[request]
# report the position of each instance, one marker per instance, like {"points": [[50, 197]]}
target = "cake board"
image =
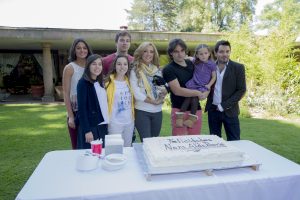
{"points": [[208, 170]]}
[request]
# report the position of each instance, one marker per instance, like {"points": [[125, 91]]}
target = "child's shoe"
{"points": [[190, 120], [179, 119]]}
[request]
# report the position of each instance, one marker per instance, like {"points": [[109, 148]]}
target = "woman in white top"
{"points": [[120, 100], [73, 71], [148, 97]]}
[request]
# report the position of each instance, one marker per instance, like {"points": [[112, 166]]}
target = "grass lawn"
{"points": [[28, 131]]}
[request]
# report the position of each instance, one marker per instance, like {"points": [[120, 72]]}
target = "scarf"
{"points": [[148, 71], [110, 89]]}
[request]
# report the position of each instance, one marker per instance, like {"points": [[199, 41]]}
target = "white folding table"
{"points": [[56, 177]]}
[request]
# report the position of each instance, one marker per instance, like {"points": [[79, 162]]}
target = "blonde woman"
{"points": [[148, 96]]}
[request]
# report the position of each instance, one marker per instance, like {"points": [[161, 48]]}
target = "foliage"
{"points": [[231, 14], [163, 60], [5, 70], [272, 71], [191, 15], [282, 18], [138, 15], [282, 14], [169, 10], [245, 47], [36, 80], [153, 15]]}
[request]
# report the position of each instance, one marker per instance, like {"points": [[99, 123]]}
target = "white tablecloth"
{"points": [[57, 178]]}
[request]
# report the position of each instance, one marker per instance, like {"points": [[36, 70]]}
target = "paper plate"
{"points": [[114, 162]]}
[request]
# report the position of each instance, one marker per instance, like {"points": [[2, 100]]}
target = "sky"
{"points": [[78, 14]]}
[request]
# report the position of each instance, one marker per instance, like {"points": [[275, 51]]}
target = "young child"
{"points": [[203, 78], [92, 104], [120, 100]]}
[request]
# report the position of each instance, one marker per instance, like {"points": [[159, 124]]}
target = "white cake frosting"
{"points": [[202, 151]]}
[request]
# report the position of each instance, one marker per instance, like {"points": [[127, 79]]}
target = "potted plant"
{"points": [[37, 86]]}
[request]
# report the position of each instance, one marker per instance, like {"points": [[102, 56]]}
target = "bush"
{"points": [[272, 72]]}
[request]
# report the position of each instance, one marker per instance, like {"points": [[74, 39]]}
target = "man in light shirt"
{"points": [[223, 101]]}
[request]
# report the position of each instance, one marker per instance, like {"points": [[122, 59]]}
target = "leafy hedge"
{"points": [[272, 70]]}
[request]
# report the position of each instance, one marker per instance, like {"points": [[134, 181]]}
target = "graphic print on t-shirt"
{"points": [[124, 100], [121, 112]]}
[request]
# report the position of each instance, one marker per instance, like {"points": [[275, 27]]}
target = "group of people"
{"points": [[120, 92]]}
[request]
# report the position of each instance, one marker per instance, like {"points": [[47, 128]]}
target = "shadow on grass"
{"points": [[281, 137], [28, 132]]}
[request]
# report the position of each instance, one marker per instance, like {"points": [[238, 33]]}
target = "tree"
{"points": [[282, 14], [193, 15], [272, 70], [282, 20], [231, 14], [153, 15], [139, 16], [169, 10]]}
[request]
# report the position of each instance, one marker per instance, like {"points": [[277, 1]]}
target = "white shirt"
{"points": [[78, 72], [121, 110], [217, 98], [140, 95], [102, 99]]}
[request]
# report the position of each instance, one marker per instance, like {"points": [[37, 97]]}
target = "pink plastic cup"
{"points": [[96, 147]]}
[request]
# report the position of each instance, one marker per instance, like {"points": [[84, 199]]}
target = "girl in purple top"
{"points": [[203, 78]]}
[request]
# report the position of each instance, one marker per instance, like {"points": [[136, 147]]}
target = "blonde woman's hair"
{"points": [[138, 54]]}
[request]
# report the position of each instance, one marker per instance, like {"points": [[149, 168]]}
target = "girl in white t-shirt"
{"points": [[120, 100]]}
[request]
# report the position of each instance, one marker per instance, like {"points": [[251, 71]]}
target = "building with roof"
{"points": [[43, 52]]}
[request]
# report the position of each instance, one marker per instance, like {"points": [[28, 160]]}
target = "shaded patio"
{"points": [[6, 98]]}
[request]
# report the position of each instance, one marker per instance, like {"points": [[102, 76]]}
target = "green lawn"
{"points": [[28, 131]]}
